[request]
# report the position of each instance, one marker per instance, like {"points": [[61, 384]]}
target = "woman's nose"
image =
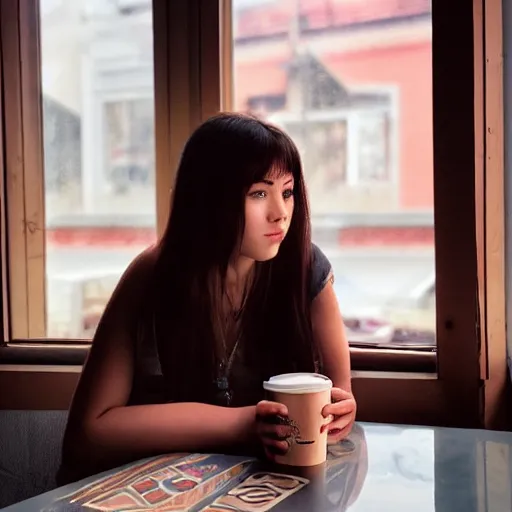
{"points": [[278, 212]]}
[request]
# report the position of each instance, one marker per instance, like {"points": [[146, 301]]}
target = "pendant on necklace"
{"points": [[224, 394], [222, 383]]}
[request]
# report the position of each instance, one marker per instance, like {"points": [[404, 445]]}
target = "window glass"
{"points": [[351, 82], [99, 152]]}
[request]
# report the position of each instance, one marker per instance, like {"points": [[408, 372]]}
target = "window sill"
{"points": [[392, 386], [52, 354]]}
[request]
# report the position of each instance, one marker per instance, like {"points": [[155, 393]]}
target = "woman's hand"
{"points": [[343, 409], [271, 428]]}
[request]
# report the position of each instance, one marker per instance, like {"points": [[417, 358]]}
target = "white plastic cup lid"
{"points": [[298, 383]]}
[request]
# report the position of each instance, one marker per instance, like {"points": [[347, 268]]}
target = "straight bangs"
{"points": [[275, 155]]}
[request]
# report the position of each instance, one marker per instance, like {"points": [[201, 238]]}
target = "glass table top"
{"points": [[378, 468]]}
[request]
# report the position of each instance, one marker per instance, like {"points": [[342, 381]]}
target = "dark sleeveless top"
{"points": [[148, 385]]}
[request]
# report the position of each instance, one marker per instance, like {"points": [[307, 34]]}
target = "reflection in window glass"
{"points": [[351, 82], [98, 126]]}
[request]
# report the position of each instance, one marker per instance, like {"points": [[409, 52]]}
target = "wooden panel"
{"points": [[3, 224], [495, 348], [33, 167], [480, 176], [226, 55], [24, 177], [164, 172], [210, 34], [408, 400], [14, 177], [454, 206], [38, 388], [177, 92]]}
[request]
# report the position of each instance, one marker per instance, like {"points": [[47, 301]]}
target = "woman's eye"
{"points": [[258, 194], [288, 193]]}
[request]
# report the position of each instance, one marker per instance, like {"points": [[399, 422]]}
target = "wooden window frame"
{"points": [[193, 81]]}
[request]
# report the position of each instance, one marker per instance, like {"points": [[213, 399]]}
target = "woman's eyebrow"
{"points": [[270, 182]]}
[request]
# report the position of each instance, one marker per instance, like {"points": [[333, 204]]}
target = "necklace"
{"points": [[224, 392]]}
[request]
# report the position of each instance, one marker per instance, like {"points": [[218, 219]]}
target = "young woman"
{"points": [[233, 293]]}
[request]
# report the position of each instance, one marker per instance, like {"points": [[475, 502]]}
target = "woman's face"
{"points": [[268, 213]]}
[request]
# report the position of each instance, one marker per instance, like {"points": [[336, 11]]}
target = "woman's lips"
{"points": [[276, 236]]}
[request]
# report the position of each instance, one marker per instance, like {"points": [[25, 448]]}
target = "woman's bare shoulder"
{"points": [[146, 260], [139, 271]]}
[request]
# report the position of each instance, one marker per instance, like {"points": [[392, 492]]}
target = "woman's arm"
{"points": [[129, 433], [102, 431], [329, 334]]}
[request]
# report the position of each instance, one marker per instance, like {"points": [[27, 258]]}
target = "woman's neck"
{"points": [[238, 278]]}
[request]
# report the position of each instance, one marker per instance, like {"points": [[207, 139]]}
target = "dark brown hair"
{"points": [[220, 162]]}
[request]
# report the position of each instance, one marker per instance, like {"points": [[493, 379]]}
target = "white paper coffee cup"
{"points": [[305, 395]]}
